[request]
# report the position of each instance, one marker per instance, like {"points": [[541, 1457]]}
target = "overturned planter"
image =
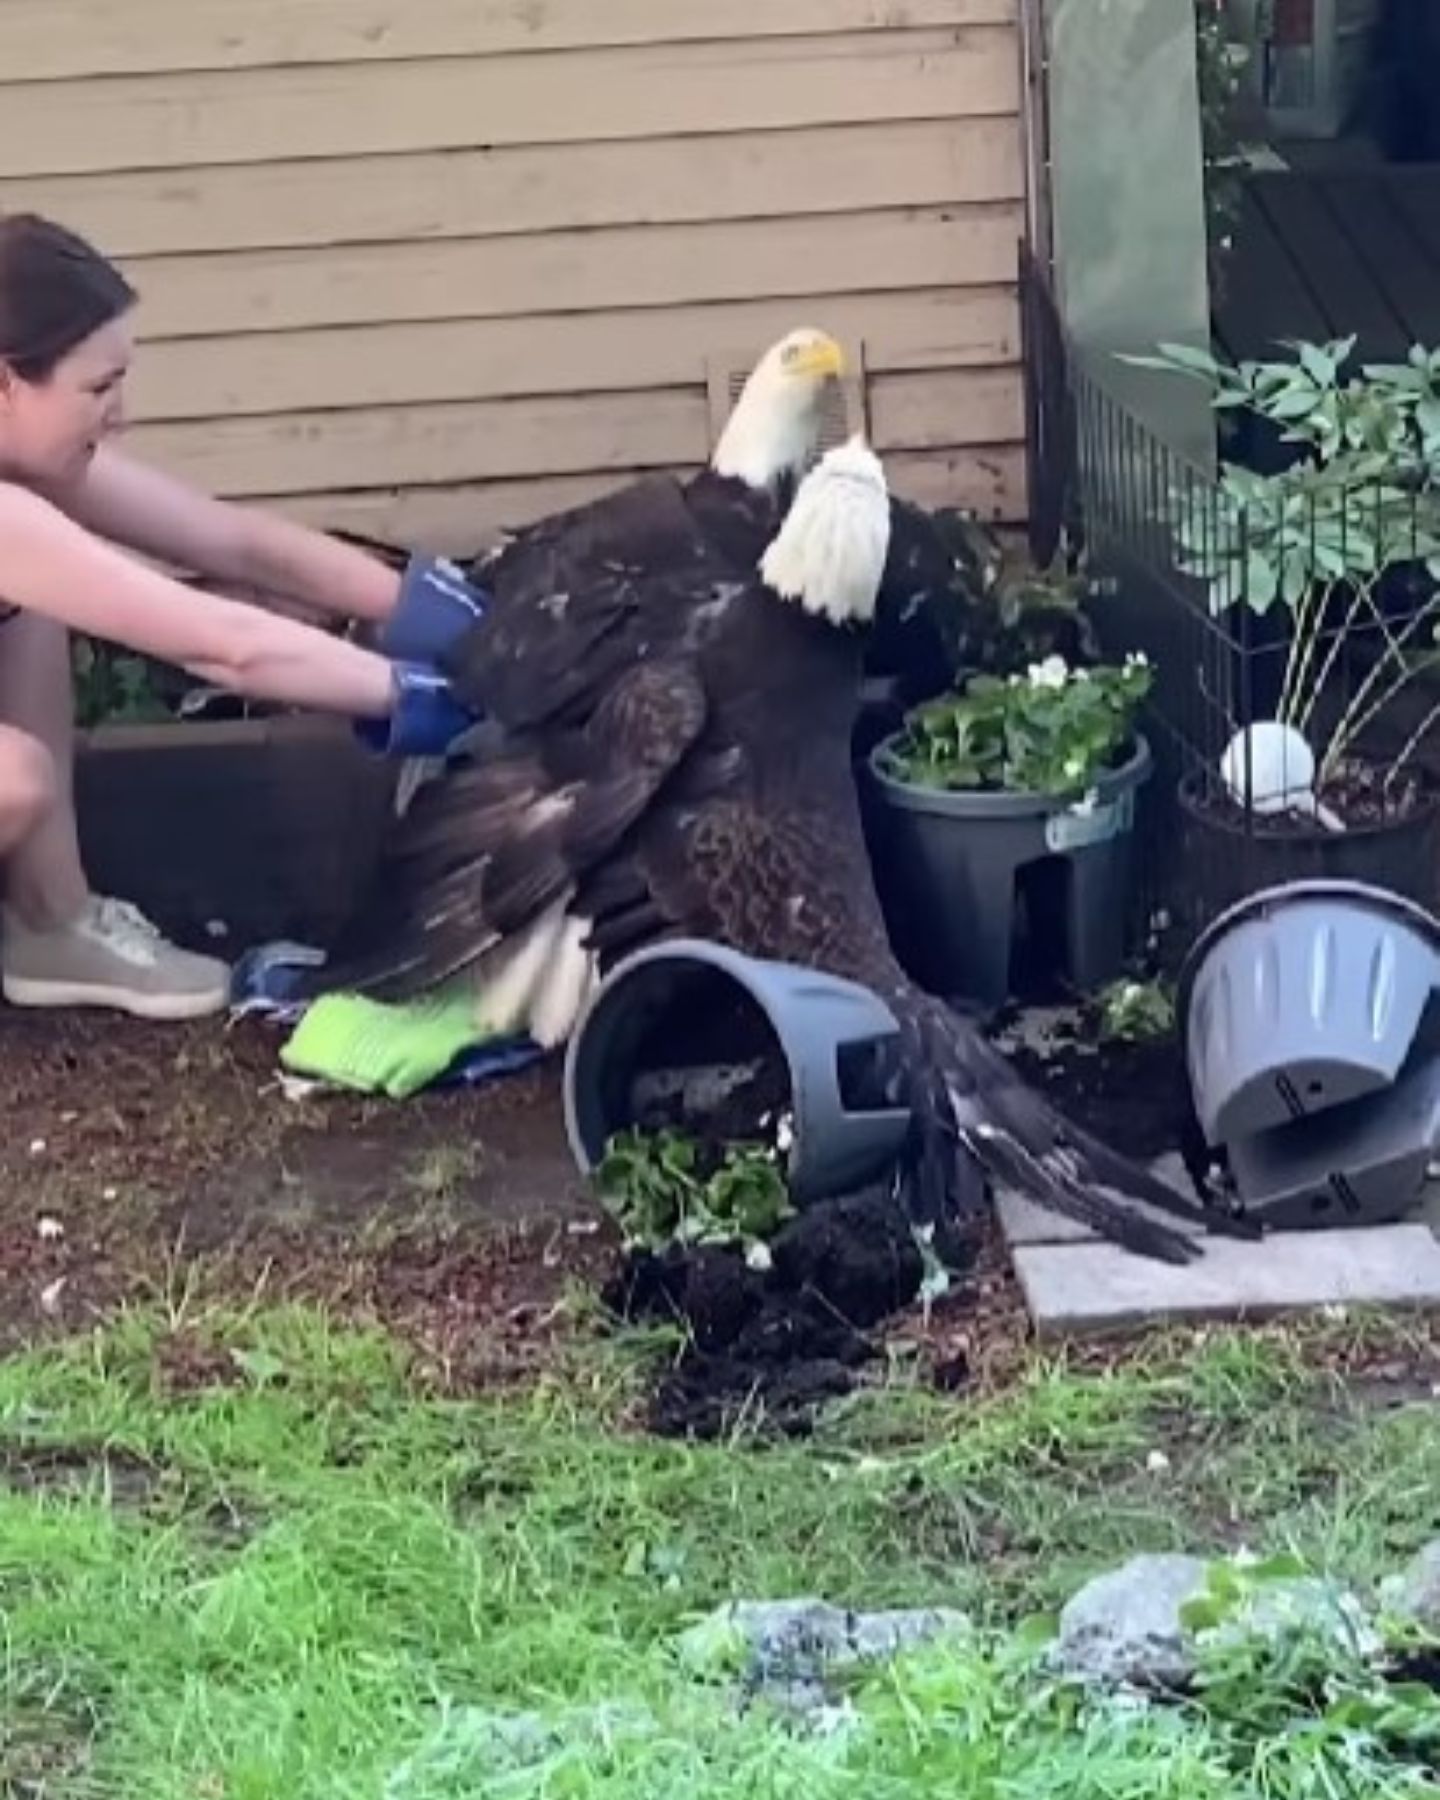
{"points": [[954, 864], [657, 1008], [1311, 1047]]}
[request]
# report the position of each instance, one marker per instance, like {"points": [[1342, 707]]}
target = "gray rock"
{"points": [[1322, 1609], [1415, 1595], [782, 1651], [1126, 1626]]}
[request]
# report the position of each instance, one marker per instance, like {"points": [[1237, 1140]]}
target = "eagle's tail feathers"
{"points": [[1024, 1144], [1056, 1182]]}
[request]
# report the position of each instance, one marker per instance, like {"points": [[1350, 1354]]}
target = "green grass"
{"points": [[315, 1582]]}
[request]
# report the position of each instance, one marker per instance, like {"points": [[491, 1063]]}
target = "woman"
{"points": [[67, 501]]}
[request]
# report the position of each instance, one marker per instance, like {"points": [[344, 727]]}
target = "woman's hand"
{"points": [[51, 565]]}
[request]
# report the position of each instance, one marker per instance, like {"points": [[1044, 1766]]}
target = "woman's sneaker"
{"points": [[111, 956]]}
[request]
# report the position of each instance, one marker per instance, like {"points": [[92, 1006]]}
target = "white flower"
{"points": [[1052, 673], [1137, 659], [50, 1230]]}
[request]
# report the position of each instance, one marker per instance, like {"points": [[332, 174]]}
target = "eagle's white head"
{"points": [[775, 427], [829, 555]]}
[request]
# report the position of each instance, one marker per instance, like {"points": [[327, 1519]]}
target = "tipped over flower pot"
{"points": [[1301, 999], [693, 1023], [1030, 777]]}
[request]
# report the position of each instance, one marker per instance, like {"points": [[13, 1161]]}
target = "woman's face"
{"points": [[51, 429]]}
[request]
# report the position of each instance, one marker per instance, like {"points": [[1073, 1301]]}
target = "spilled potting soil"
{"points": [[773, 1343]]}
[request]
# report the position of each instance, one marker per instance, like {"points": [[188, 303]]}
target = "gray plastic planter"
{"points": [[1303, 998], [952, 863], [815, 1018], [1361, 1164]]}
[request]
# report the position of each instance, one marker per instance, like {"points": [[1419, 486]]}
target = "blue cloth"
{"points": [[437, 606]]}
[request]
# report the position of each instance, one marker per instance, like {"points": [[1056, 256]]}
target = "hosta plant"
{"points": [[1319, 539]]}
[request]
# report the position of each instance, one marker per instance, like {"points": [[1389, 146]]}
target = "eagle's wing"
{"points": [[581, 596], [485, 852]]}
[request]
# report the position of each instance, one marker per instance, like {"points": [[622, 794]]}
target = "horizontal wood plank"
{"points": [[938, 409], [569, 96], [574, 272], [461, 520], [987, 478], [470, 442], [534, 188], [46, 40], [393, 364], [425, 445]]}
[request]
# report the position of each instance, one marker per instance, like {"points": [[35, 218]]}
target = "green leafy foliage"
{"points": [[115, 687], [1318, 538], [1298, 1685], [656, 1187], [1053, 730], [1136, 1012]]}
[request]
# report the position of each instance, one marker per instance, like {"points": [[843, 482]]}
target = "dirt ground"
{"points": [[138, 1161], [168, 1164]]}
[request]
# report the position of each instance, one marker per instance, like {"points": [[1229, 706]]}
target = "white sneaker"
{"points": [[111, 956]]}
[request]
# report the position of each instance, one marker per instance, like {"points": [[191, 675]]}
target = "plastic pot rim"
{"points": [[714, 955], [1311, 831], [990, 803], [1268, 901]]}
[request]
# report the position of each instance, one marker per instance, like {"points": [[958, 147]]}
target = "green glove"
{"points": [[349, 1041]]}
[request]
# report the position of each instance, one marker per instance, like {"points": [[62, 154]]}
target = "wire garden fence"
{"points": [[1289, 604]]}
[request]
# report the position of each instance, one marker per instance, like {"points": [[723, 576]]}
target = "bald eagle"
{"points": [[559, 628], [691, 775]]}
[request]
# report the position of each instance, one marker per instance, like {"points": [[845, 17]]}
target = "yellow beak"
{"points": [[825, 357]]}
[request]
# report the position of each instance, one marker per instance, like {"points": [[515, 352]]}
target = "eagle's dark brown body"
{"points": [[677, 761]]}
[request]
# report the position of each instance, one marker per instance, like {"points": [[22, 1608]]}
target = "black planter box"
{"points": [[268, 828]]}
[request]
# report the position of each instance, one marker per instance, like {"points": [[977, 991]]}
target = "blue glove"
{"points": [[436, 606], [425, 718]]}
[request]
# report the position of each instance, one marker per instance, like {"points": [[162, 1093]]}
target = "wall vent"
{"points": [[848, 410]]}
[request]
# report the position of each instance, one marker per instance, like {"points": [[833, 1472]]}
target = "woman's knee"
{"points": [[28, 785]]}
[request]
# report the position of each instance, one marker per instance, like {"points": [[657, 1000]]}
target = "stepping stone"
{"points": [[1023, 1222], [1078, 1287]]}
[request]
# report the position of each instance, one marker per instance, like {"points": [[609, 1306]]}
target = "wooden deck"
{"points": [[1319, 256]]}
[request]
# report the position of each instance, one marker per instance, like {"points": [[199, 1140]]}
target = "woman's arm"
{"points": [[245, 547], [50, 564]]}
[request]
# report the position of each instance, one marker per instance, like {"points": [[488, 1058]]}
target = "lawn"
{"points": [[252, 1553]]}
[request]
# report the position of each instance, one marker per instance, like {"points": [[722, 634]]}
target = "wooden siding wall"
{"points": [[426, 269]]}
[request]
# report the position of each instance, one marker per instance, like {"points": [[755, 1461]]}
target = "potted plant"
{"points": [[1031, 773], [1334, 561]]}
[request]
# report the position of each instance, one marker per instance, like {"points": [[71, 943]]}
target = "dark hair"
{"points": [[55, 290]]}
